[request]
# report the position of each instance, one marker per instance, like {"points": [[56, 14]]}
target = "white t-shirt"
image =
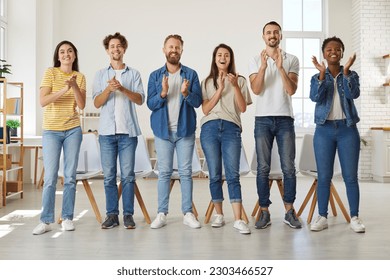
{"points": [[274, 100], [120, 99], [336, 111], [174, 83]]}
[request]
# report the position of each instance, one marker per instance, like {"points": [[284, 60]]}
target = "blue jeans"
{"points": [[112, 146], [184, 149], [52, 144], [329, 137], [221, 141], [266, 129]]}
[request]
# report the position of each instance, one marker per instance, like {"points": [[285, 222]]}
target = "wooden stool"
{"points": [[333, 196]]}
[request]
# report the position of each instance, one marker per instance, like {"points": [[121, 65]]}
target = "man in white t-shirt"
{"points": [[274, 78]]}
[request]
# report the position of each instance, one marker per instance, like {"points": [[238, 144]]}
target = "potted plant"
{"points": [[13, 126], [4, 68]]}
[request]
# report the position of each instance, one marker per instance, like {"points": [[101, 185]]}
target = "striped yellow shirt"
{"points": [[62, 114]]}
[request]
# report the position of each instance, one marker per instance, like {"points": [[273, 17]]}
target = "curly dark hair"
{"points": [[330, 39], [118, 36]]}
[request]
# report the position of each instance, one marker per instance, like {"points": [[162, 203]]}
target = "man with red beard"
{"points": [[173, 94], [273, 76]]}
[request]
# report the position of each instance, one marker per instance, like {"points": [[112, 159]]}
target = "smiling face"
{"points": [[222, 59], [115, 50], [66, 54], [272, 35], [333, 52], [173, 50]]}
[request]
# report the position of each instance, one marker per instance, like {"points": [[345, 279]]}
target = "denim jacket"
{"points": [[186, 125], [322, 92]]}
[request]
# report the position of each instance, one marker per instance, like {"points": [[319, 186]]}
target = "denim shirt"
{"points": [[186, 125], [131, 79], [322, 93]]}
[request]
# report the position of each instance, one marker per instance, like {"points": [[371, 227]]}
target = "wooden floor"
{"points": [[178, 242]]}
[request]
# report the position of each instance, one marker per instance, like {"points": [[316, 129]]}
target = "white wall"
{"points": [[203, 24], [371, 36], [35, 27], [21, 54]]}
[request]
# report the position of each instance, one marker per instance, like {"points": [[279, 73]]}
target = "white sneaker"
{"points": [[319, 224], [356, 225], [218, 221], [68, 225], [160, 221], [41, 229], [242, 227], [190, 220]]}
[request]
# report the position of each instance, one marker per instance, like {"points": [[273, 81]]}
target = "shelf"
{"points": [[11, 194], [11, 102], [14, 169]]}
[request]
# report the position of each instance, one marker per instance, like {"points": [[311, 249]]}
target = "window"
{"points": [[303, 33], [3, 28]]}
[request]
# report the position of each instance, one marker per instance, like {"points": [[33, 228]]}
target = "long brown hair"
{"points": [[57, 63], [214, 72]]}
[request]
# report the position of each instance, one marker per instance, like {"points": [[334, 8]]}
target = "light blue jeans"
{"points": [[184, 149], [266, 129], [52, 144], [112, 146], [221, 141], [329, 137]]}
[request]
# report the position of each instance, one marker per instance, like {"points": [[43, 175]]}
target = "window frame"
{"points": [[302, 35]]}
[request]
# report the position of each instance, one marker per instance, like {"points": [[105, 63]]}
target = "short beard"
{"points": [[274, 45], [173, 60]]}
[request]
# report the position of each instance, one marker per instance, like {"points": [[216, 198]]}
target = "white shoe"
{"points": [[190, 220], [41, 229], [218, 221], [242, 227], [68, 225], [160, 221], [356, 225], [319, 224]]}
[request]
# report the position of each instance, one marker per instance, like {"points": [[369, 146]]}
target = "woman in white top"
{"points": [[225, 96]]}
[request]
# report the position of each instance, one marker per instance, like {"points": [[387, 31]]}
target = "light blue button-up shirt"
{"points": [[131, 79]]}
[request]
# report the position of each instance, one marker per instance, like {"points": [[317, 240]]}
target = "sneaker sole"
{"points": [[72, 229], [263, 227], [129, 227], [157, 227], [319, 229], [291, 225], [104, 227], [359, 231], [217, 225], [194, 227], [40, 233], [243, 231]]}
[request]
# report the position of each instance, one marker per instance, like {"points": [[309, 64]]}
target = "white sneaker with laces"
{"points": [[68, 225], [319, 224], [41, 229], [218, 221], [190, 220], [356, 225], [242, 227], [160, 221]]}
